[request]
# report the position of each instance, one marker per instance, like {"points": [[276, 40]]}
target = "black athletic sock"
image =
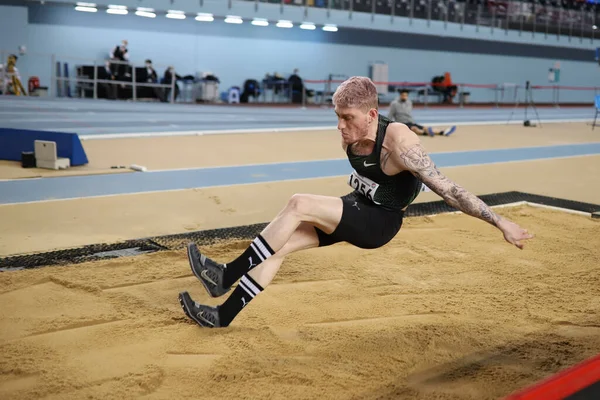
{"points": [[245, 291], [258, 251]]}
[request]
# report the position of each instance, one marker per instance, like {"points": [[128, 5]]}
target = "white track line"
{"points": [[524, 203], [587, 214], [300, 129], [200, 133], [518, 203]]}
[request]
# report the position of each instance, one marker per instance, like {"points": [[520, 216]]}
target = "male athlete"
{"points": [[390, 165], [401, 111]]}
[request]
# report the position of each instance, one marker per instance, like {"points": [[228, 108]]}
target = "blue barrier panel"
{"points": [[15, 141]]}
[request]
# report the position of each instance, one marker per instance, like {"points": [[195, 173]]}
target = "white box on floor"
{"points": [[46, 156]]}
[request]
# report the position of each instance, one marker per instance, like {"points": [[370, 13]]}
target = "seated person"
{"points": [[297, 86], [274, 82], [110, 90], [444, 85], [251, 89], [167, 79], [152, 77], [401, 111]]}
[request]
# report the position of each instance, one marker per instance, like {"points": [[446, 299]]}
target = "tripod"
{"points": [[528, 102]]}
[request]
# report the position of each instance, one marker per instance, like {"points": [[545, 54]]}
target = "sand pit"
{"points": [[447, 310]]}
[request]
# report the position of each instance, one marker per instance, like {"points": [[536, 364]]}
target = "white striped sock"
{"points": [[243, 286], [260, 244], [257, 251], [251, 285]]}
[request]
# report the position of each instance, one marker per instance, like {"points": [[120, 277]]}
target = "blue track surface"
{"points": [[29, 190]]}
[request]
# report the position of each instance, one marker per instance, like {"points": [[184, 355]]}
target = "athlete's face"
{"points": [[353, 123]]}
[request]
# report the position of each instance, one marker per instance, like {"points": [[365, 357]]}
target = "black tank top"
{"points": [[390, 192]]}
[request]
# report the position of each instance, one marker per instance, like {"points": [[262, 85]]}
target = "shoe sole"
{"points": [[189, 253]]}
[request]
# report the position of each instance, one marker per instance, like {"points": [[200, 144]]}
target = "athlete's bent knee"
{"points": [[300, 204]]}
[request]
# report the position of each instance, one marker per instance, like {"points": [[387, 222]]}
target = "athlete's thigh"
{"points": [[304, 237], [323, 212]]}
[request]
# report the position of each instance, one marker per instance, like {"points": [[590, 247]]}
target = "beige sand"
{"points": [[447, 310], [50, 225], [240, 149]]}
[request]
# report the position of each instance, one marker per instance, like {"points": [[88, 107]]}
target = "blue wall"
{"points": [[13, 29], [235, 53]]}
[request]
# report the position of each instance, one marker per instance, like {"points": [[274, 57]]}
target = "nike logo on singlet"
{"points": [[368, 165]]}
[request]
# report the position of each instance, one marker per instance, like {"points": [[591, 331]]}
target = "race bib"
{"points": [[365, 186]]}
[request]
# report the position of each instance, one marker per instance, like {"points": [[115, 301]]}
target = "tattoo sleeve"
{"points": [[417, 161], [385, 157]]}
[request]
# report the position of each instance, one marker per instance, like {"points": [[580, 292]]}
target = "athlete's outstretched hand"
{"points": [[513, 233]]}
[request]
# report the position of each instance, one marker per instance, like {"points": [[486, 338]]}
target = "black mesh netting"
{"points": [[246, 232]]}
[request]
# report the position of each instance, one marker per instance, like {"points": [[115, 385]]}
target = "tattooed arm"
{"points": [[416, 160], [408, 154]]}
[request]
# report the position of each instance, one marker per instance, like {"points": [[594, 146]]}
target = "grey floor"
{"points": [[97, 117]]}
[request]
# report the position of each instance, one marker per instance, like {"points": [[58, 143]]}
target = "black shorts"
{"points": [[363, 224], [410, 125]]}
